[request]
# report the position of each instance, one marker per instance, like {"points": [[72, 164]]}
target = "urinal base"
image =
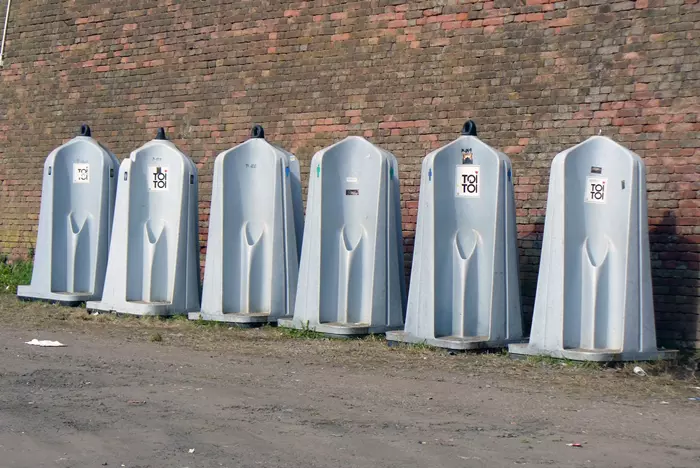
{"points": [[455, 343], [336, 329], [237, 319], [25, 293], [140, 308], [602, 355]]}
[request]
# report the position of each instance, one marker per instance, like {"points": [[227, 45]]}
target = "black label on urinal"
{"points": [[467, 156], [596, 170], [352, 192]]}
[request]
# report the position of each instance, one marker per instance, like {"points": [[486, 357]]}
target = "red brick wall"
{"points": [[536, 75]]}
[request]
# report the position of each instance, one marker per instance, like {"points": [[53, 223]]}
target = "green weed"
{"points": [[12, 274], [305, 332], [558, 362]]}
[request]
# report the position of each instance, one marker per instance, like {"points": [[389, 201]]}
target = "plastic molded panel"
{"points": [[351, 273], [75, 220], [252, 250], [153, 264], [464, 290], [594, 292]]}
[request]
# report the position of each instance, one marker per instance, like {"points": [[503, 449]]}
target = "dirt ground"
{"points": [[129, 392]]}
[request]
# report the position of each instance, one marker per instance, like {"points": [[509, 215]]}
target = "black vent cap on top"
{"points": [[85, 130], [257, 132], [161, 134], [469, 128]]}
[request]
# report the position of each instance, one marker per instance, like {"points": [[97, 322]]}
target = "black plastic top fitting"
{"points": [[85, 130], [161, 134], [469, 128], [257, 132]]}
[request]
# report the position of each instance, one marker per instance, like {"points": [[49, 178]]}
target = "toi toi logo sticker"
{"points": [[81, 173], [467, 181], [159, 178], [596, 188]]}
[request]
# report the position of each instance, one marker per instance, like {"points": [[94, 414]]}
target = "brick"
{"points": [[399, 23], [451, 25], [558, 23], [493, 21], [534, 17]]}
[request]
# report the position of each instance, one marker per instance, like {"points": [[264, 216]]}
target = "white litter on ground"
{"points": [[45, 343]]}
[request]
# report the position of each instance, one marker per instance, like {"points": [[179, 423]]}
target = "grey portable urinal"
{"points": [[351, 279], [594, 294], [153, 266], [464, 291], [252, 263], [75, 222]]}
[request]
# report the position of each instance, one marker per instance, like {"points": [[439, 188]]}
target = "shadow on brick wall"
{"points": [[529, 250], [676, 284], [409, 238]]}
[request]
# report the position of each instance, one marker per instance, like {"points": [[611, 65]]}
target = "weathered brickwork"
{"points": [[536, 75]]}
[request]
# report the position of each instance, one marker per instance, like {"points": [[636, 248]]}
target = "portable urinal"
{"points": [[75, 222], [594, 294], [351, 279], [252, 263], [464, 291], [153, 266]]}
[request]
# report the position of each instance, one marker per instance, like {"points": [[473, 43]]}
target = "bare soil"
{"points": [[129, 392]]}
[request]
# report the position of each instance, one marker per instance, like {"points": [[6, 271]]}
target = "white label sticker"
{"points": [[596, 188], [351, 180], [159, 178], [81, 173], [467, 181]]}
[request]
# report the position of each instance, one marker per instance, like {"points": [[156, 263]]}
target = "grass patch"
{"points": [[13, 274], [213, 324], [422, 347], [686, 366], [178, 318], [374, 337], [419, 349], [156, 338], [304, 333], [558, 362]]}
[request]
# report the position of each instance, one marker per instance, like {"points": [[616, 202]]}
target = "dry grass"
{"points": [[664, 381]]}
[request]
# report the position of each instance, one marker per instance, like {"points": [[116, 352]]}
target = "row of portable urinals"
{"points": [[124, 238]]}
